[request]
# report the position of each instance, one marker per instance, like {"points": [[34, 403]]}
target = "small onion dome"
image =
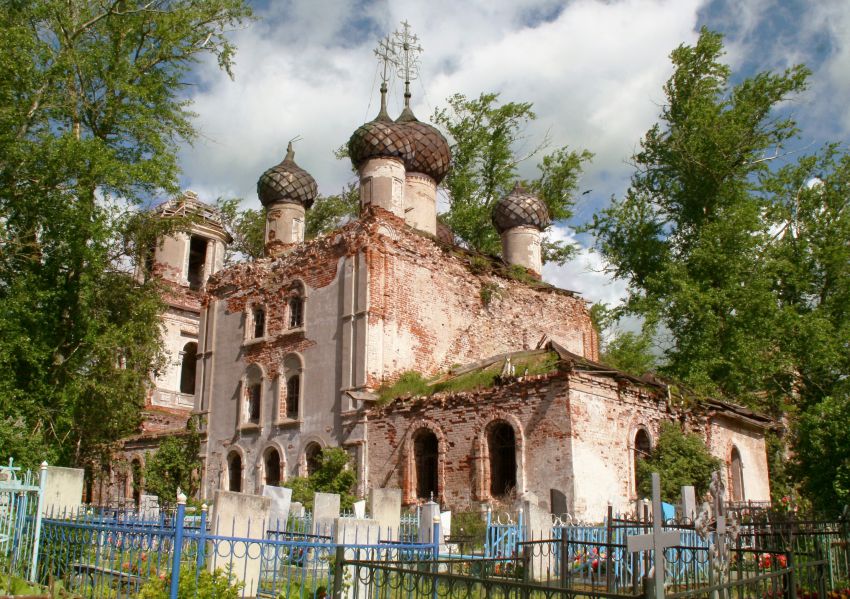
{"points": [[520, 208], [380, 138], [287, 183], [430, 152]]}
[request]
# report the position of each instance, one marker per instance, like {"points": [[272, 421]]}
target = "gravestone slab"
{"points": [[446, 524], [360, 509], [240, 515], [386, 509], [689, 503], [427, 513], [296, 509], [558, 501], [149, 507], [352, 532], [63, 491], [281, 498], [325, 513]]}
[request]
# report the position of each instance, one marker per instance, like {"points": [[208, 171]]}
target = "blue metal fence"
{"points": [[101, 554]]}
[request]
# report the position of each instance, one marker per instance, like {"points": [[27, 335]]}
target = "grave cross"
{"points": [[657, 541]]}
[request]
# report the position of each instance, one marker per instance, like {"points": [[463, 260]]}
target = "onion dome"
{"points": [[430, 152], [287, 183], [520, 208], [380, 138]]}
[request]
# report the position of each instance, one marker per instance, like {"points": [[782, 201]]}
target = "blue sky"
{"points": [[593, 69]]}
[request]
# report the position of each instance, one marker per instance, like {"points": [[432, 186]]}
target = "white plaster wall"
{"points": [[285, 223], [521, 246], [724, 434], [382, 184], [420, 201], [178, 329]]}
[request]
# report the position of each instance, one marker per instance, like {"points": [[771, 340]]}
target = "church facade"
{"points": [[284, 356]]}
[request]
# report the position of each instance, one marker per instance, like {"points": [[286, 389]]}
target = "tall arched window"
{"points": [[501, 443], [187, 368], [293, 387], [736, 475], [271, 464], [426, 459], [259, 320], [293, 393], [234, 471], [296, 306], [642, 447], [136, 481], [253, 395], [197, 261], [313, 456]]}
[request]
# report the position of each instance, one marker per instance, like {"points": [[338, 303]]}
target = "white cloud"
{"points": [[594, 71]]}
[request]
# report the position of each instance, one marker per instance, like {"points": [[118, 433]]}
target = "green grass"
{"points": [[413, 384]]}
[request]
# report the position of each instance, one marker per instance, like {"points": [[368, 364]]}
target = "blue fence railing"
{"points": [[100, 554]]}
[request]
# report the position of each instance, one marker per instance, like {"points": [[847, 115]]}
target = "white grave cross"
{"points": [[657, 541]]}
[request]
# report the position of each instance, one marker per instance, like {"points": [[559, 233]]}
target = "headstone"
{"points": [[360, 509], [446, 524], [325, 513], [281, 498], [558, 501], [352, 532], [427, 513], [63, 491], [239, 515], [296, 509], [689, 503], [537, 523], [149, 507], [386, 509]]}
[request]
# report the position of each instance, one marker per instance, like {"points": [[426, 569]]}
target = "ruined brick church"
{"points": [[283, 356]]}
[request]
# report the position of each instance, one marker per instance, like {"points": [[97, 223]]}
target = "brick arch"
{"points": [[260, 463], [635, 428], [224, 481], [408, 486], [481, 454], [302, 451]]}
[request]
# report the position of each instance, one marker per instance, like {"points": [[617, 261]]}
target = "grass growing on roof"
{"points": [[412, 383]]}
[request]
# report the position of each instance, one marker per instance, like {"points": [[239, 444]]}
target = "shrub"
{"points": [[194, 584]]}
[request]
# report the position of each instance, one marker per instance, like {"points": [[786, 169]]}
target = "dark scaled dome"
{"points": [[430, 152], [380, 138], [287, 183], [520, 208]]}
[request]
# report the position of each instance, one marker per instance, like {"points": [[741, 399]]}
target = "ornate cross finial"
{"points": [[407, 48], [387, 56]]}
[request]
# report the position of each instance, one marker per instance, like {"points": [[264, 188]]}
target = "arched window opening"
{"points": [[296, 312], [737, 476], [426, 457], [272, 467], [259, 317], [293, 392], [501, 442], [642, 447], [187, 368], [254, 398], [313, 454], [197, 261], [234, 469], [136, 481]]}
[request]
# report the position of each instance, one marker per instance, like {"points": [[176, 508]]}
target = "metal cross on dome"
{"points": [[658, 540], [407, 48], [387, 55]]}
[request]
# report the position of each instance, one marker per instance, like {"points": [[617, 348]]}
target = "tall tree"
{"points": [[690, 234], [90, 121], [485, 139]]}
